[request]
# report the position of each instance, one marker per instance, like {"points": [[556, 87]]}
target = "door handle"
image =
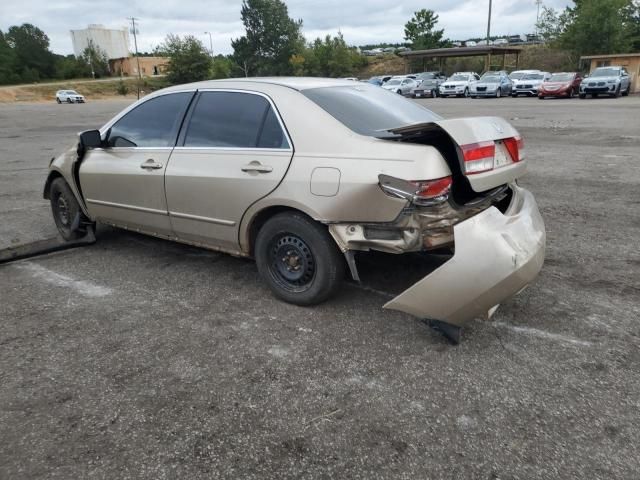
{"points": [[257, 167], [150, 165]]}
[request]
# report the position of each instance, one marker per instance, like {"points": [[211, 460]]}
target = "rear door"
{"points": [[233, 151], [123, 183]]}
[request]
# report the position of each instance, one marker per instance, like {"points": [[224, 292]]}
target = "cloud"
{"points": [[361, 22]]}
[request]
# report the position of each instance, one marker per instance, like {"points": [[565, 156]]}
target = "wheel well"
{"points": [[52, 176], [261, 218]]}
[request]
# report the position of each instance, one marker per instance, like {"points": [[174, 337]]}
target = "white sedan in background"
{"points": [[403, 85], [69, 96]]}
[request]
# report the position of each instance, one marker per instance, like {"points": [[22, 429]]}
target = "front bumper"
{"points": [[483, 93], [496, 256], [560, 92], [525, 91]]}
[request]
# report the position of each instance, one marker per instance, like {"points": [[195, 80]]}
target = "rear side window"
{"points": [[153, 123], [234, 120]]}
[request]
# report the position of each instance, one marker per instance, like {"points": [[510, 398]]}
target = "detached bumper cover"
{"points": [[496, 256]]}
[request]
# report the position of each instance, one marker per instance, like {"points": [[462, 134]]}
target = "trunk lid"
{"points": [[464, 132]]}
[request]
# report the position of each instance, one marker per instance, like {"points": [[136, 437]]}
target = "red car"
{"points": [[563, 84]]}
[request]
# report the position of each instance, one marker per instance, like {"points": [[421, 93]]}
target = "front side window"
{"points": [[154, 123], [369, 110], [234, 120]]}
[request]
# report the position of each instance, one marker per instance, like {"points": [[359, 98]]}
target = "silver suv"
{"points": [[612, 81]]}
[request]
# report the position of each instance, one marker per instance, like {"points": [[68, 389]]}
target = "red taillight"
{"points": [[515, 147], [432, 189], [478, 157], [418, 192]]}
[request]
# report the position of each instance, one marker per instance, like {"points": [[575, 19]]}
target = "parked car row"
{"points": [[612, 81]]}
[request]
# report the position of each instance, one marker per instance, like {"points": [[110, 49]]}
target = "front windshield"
{"points": [[605, 72], [533, 76], [427, 76], [458, 78], [516, 75], [491, 79], [393, 82], [72, 92], [369, 110], [561, 77]]}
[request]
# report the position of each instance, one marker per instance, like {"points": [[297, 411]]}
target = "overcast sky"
{"points": [[361, 22]]}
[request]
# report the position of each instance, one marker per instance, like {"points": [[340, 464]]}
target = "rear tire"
{"points": [[70, 221], [298, 259]]}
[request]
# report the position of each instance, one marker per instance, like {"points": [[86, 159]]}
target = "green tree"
{"points": [[599, 26], [71, 67], [31, 48], [189, 61], [328, 57], [421, 31], [222, 67], [96, 59], [8, 63], [270, 40]]}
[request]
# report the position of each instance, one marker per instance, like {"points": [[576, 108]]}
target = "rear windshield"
{"points": [[561, 77], [369, 110]]}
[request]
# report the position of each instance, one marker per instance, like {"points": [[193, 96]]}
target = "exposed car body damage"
{"points": [[496, 256]]}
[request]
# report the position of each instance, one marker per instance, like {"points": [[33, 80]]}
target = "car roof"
{"points": [[296, 83]]}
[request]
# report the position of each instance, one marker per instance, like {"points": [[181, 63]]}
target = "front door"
{"points": [[233, 151], [123, 183]]}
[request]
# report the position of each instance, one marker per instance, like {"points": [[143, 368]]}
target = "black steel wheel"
{"points": [[298, 259], [71, 222]]}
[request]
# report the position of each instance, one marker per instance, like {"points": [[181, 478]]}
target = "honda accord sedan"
{"points": [[300, 174]]}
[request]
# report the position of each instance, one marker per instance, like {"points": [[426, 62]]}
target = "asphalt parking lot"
{"points": [[139, 358]]}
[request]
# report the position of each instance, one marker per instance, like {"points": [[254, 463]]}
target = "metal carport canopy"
{"points": [[480, 50]]}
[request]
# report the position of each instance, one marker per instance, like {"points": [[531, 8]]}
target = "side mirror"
{"points": [[91, 139]]}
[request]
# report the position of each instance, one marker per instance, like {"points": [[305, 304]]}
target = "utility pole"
{"points": [[489, 23], [210, 43], [538, 3], [488, 59], [135, 43]]}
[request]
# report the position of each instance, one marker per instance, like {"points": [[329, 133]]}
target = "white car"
{"points": [[69, 96], [458, 84], [402, 85], [529, 83], [518, 74]]}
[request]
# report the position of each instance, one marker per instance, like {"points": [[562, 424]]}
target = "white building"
{"points": [[114, 42]]}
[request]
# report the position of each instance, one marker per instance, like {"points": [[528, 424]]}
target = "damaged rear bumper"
{"points": [[496, 256]]}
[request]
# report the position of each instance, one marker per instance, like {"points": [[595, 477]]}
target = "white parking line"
{"points": [[87, 289], [542, 334]]}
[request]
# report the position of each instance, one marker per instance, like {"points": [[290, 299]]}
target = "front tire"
{"points": [[582, 95], [58, 100], [70, 221], [498, 93], [626, 92], [298, 259]]}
